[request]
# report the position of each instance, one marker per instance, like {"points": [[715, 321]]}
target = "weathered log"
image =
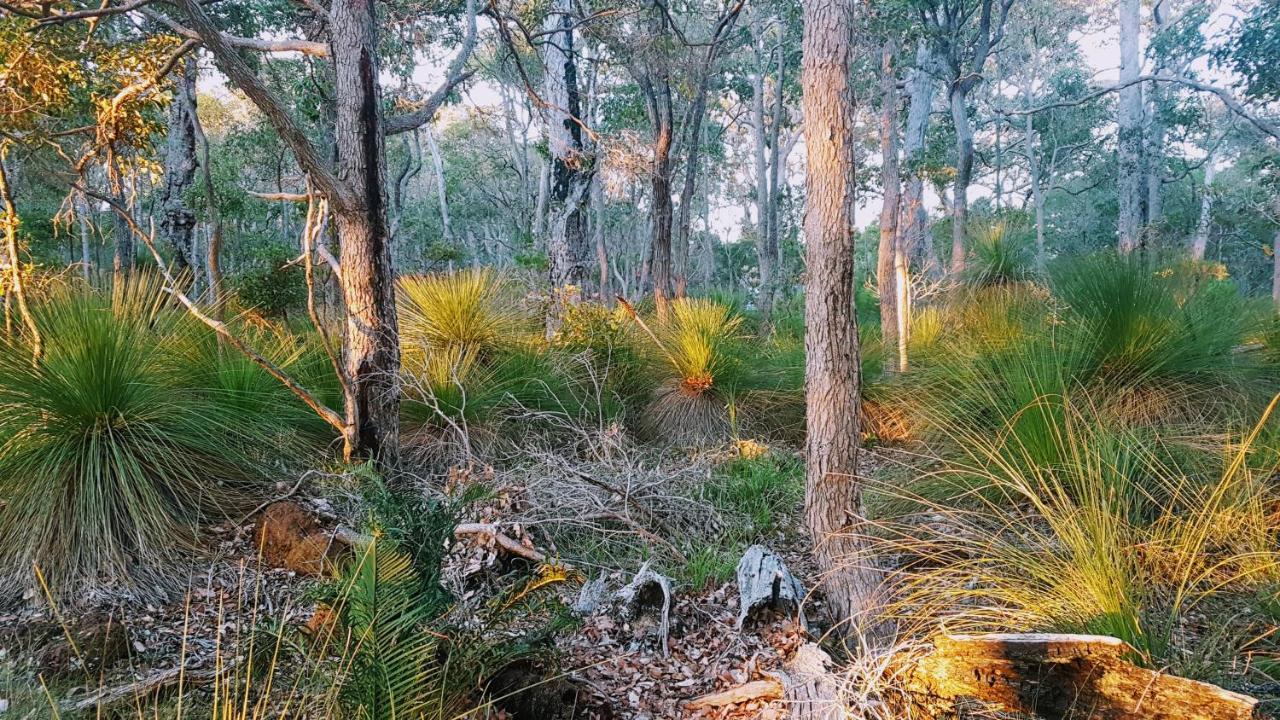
{"points": [[648, 589], [747, 692], [1061, 676], [765, 581], [809, 687], [506, 542]]}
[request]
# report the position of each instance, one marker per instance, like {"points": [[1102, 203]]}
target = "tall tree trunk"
{"points": [[570, 180], [833, 498], [886, 281], [915, 218], [684, 224], [122, 260], [964, 174], [86, 235], [213, 250], [1200, 240], [597, 234], [1275, 267], [371, 347], [707, 254], [775, 177], [765, 256], [1154, 151], [539, 238], [446, 228], [1129, 181], [1029, 146], [660, 270], [177, 221]]}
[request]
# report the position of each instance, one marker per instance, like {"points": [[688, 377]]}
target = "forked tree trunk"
{"points": [[915, 219], [570, 181], [886, 280], [177, 221], [1129, 181], [371, 347], [833, 498]]}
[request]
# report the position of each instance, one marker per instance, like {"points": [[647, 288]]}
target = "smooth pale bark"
{"points": [[764, 254], [915, 218], [177, 221], [86, 234], [598, 237], [1200, 240], [964, 174], [833, 497], [213, 246], [1029, 146], [570, 180], [371, 347], [446, 228], [540, 206], [1129, 181], [890, 181], [1155, 133], [1275, 267]]}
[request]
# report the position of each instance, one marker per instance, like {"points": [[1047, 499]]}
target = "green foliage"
{"points": [[116, 445], [1001, 254], [270, 285], [764, 490]]}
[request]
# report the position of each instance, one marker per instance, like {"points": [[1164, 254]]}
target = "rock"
{"points": [[291, 538], [765, 581]]}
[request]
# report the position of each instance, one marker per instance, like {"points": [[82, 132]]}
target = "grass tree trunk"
{"points": [[570, 180], [177, 221], [1129, 181], [886, 280], [832, 493]]}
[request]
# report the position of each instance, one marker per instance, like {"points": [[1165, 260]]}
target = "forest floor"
{"points": [[121, 648]]}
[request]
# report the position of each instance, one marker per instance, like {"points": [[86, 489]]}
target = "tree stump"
{"points": [[765, 581], [809, 688], [647, 590]]}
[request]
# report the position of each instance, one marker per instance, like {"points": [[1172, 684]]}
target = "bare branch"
{"points": [[456, 74], [306, 47]]}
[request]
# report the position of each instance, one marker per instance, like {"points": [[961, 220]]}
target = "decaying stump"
{"points": [[765, 581], [1061, 676], [648, 589], [809, 688]]}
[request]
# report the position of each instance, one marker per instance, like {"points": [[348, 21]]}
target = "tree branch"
{"points": [[239, 73], [306, 47], [456, 74]]}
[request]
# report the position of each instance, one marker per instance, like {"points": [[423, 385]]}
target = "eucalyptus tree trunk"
{"points": [[177, 221], [1200, 240], [598, 236], [371, 347], [1275, 267], [680, 250], [540, 206], [570, 179], [964, 174], [1129, 182], [1155, 135], [915, 219], [1029, 145], [86, 234], [890, 180], [446, 228], [833, 497], [765, 257]]}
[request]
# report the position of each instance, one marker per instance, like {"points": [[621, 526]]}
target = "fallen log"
{"points": [[502, 540], [747, 692], [649, 590], [1055, 677]]}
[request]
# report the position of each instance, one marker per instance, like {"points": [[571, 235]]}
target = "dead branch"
{"points": [[755, 690], [506, 542]]}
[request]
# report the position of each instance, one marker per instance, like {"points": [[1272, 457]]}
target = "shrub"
{"points": [[1000, 255], [113, 448], [271, 286], [466, 309]]}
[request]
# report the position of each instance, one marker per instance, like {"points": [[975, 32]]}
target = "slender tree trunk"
{"points": [[765, 256], [177, 221], [86, 235], [775, 177], [964, 174], [570, 181], [213, 250], [540, 206], [122, 260], [1200, 240], [371, 347], [915, 219], [661, 182], [597, 233], [680, 251], [886, 280], [833, 498], [1033, 155], [16, 284], [1275, 267], [446, 227], [707, 260], [1129, 121], [1154, 150]]}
